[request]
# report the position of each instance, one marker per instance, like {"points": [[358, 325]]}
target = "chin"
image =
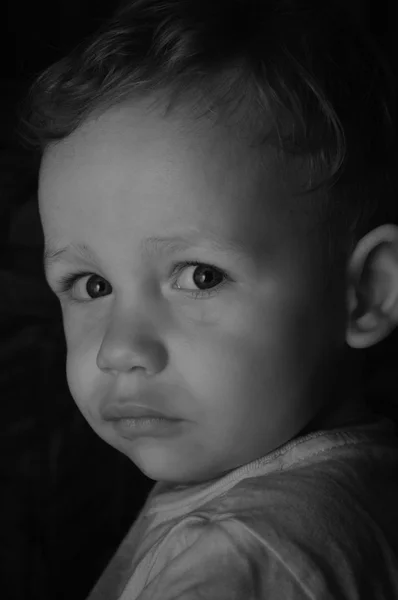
{"points": [[167, 471]]}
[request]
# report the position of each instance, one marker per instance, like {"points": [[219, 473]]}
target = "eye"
{"points": [[95, 286], [208, 278]]}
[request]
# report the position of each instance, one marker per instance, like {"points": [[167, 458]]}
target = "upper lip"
{"points": [[116, 411]]}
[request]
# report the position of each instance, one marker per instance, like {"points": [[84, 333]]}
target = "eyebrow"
{"points": [[153, 246]]}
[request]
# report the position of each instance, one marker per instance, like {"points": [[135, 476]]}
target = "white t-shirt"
{"points": [[315, 519]]}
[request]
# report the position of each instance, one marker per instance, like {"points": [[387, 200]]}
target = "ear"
{"points": [[372, 292]]}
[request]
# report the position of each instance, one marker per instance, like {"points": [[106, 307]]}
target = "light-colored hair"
{"points": [[311, 61]]}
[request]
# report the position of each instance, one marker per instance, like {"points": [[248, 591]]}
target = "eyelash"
{"points": [[66, 282]]}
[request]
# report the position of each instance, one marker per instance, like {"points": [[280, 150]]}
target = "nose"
{"points": [[125, 347]]}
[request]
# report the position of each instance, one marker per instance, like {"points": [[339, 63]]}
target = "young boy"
{"points": [[250, 142]]}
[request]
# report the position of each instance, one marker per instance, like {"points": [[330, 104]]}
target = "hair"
{"points": [[309, 62]]}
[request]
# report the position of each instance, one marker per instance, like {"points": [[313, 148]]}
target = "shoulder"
{"points": [[218, 558], [299, 535], [315, 524], [296, 538]]}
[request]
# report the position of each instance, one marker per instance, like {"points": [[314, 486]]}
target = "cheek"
{"points": [[80, 382], [269, 348], [81, 368], [222, 365]]}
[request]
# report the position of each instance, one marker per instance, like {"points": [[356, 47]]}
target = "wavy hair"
{"points": [[310, 63]]}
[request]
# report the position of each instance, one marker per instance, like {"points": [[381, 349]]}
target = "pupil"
{"points": [[201, 279], [94, 285]]}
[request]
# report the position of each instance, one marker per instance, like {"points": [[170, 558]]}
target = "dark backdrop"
{"points": [[66, 497]]}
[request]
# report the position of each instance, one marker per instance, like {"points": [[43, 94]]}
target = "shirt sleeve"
{"points": [[221, 561]]}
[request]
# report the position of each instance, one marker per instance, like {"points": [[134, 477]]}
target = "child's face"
{"points": [[236, 357]]}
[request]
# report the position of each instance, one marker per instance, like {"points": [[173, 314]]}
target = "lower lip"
{"points": [[146, 426]]}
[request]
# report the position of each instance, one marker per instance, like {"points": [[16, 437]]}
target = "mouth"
{"points": [[133, 428], [116, 412], [132, 422]]}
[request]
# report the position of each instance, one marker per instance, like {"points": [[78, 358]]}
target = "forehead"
{"points": [[141, 173]]}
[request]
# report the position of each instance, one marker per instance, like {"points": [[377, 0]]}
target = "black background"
{"points": [[66, 497]]}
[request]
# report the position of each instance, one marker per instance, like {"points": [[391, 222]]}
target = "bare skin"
{"points": [[253, 361]]}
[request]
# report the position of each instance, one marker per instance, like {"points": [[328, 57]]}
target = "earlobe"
{"points": [[372, 294], [368, 330]]}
